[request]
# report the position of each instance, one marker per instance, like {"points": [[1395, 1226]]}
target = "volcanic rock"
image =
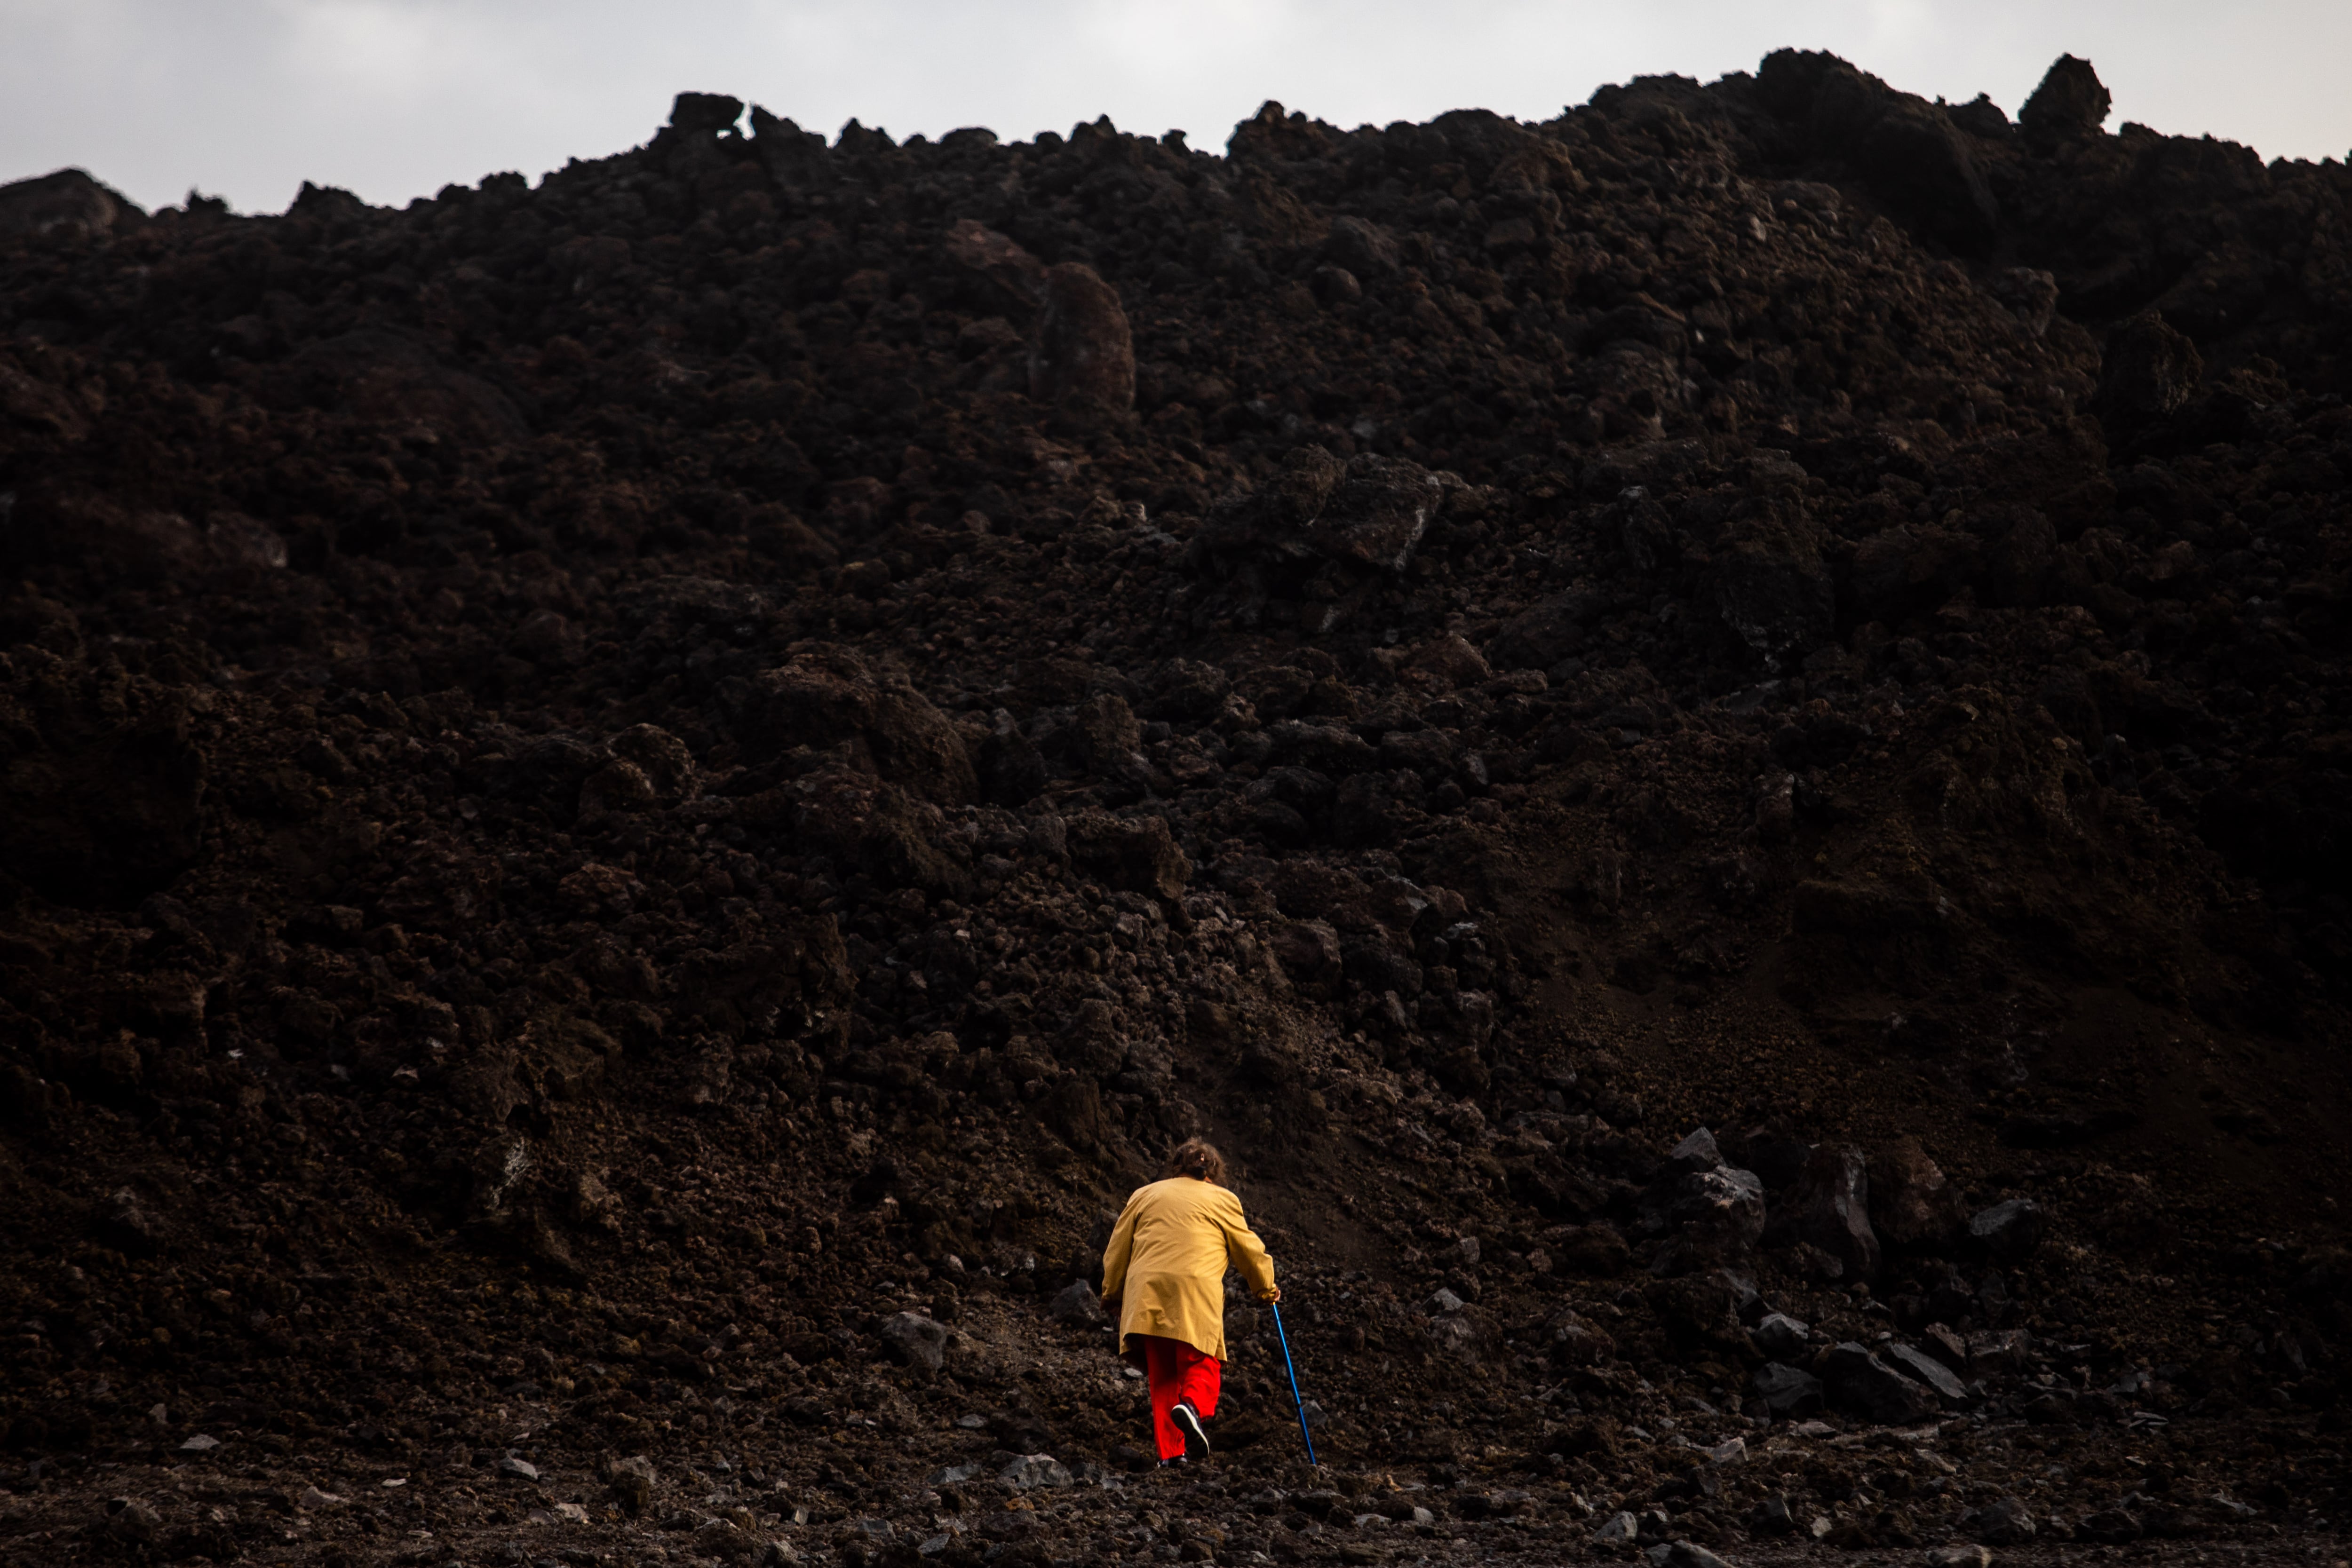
{"points": [[2149, 371], [2009, 1230], [1782, 1337], [833, 697], [1925, 1368], [1829, 1209], [623, 795], [1788, 1391], [630, 1483], [1031, 1470], [66, 206], [1911, 1203], [915, 1339], [1856, 1380], [2070, 103], [1078, 1306], [2003, 1522], [1083, 357]]}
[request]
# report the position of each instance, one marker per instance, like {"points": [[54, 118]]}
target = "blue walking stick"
{"points": [[1291, 1367]]}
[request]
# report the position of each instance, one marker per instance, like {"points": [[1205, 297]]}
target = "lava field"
{"points": [[1709, 736]]}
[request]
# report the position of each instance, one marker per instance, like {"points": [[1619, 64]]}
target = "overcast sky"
{"points": [[392, 98]]}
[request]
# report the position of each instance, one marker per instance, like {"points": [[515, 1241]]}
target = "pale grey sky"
{"points": [[392, 98]]}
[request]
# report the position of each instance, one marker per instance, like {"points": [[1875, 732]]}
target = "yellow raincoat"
{"points": [[1167, 1263]]}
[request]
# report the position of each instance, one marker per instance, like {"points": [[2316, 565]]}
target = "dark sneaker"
{"points": [[1177, 1460], [1196, 1433]]}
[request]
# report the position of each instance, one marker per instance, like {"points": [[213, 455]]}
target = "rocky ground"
{"points": [[1710, 735]]}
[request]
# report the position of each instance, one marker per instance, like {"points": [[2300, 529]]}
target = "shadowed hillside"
{"points": [[1710, 736]]}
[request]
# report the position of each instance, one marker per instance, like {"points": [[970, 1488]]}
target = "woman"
{"points": [[1166, 1264]]}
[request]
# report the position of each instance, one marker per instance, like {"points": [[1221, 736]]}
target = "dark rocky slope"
{"points": [[629, 806]]}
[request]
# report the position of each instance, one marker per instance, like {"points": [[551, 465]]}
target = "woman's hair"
{"points": [[1199, 1158]]}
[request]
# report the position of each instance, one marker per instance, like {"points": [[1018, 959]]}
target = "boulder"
{"points": [[2149, 371], [630, 1483], [1136, 854], [2006, 1351], [1032, 1470], [1854, 1380], [1308, 951], [1549, 632], [1464, 1331], [2030, 294], [1364, 248], [704, 113], [1308, 889], [829, 697], [1696, 1153], [1078, 1307], [1190, 689], [1918, 160], [1682, 1554], [1377, 515], [66, 204], [1109, 737], [1618, 1528], [1082, 355], [797, 160], [2116, 1526], [1006, 280], [2011, 1231], [1576, 1343], [131, 1523], [1451, 661], [1782, 1337], [895, 837], [1701, 1312], [2005, 1522], [1715, 1216], [1596, 1250], [1911, 1203], [1073, 1112], [1349, 522], [1010, 768], [797, 971], [1914, 158], [1945, 1346], [1789, 1392], [1829, 1208], [2070, 104], [725, 1540], [661, 758], [1919, 1365], [913, 1340], [1776, 595]]}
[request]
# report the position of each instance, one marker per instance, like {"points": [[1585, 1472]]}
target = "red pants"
{"points": [[1177, 1372]]}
